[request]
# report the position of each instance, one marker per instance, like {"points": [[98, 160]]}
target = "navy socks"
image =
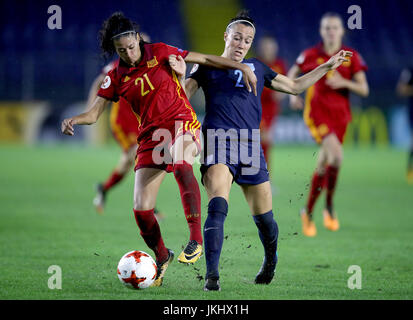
{"points": [[214, 234], [268, 232]]}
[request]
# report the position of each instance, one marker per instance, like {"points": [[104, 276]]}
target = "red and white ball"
{"points": [[137, 270]]}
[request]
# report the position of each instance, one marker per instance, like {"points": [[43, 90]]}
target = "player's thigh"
{"points": [[217, 181], [259, 197], [184, 149], [321, 161], [147, 183], [333, 149]]}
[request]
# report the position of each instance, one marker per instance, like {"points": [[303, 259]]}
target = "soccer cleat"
{"points": [[266, 273], [191, 253], [309, 228], [212, 284], [99, 200], [330, 220], [161, 267]]}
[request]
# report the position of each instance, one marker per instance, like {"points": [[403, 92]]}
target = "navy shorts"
{"points": [[245, 159]]}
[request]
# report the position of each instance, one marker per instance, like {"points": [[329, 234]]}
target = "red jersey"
{"points": [[123, 122], [269, 102], [321, 100], [152, 89]]}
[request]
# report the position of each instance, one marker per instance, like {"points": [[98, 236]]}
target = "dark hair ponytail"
{"points": [[116, 24], [242, 15]]}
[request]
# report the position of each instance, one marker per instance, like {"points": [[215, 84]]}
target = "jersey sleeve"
{"points": [[268, 75], [358, 63], [302, 61], [108, 88], [176, 51], [197, 73]]}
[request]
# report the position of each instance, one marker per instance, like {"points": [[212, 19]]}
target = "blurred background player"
{"points": [[405, 89], [125, 128], [327, 113], [267, 52]]}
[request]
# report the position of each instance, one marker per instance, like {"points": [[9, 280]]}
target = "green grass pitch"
{"points": [[47, 218]]}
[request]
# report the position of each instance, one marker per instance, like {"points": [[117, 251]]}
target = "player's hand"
{"points": [[335, 61], [296, 102], [250, 79], [336, 81], [67, 127], [177, 64]]}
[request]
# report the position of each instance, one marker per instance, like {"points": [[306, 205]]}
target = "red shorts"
{"points": [[153, 152], [320, 128], [124, 124]]}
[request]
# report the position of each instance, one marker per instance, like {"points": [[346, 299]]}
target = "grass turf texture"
{"points": [[47, 218]]}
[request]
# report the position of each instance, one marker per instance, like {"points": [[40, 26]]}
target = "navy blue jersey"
{"points": [[227, 100]]}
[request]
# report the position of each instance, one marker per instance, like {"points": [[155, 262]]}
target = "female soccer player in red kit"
{"points": [[267, 52], [144, 78], [327, 113]]}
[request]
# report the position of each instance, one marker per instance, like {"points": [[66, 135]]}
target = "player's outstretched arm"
{"points": [[88, 117], [209, 60], [299, 85]]}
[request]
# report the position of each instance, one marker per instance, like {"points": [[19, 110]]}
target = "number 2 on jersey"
{"points": [[141, 80], [239, 84]]}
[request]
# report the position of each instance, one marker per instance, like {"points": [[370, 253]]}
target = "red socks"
{"points": [[331, 181], [327, 181], [316, 188], [112, 180], [190, 197], [151, 233]]}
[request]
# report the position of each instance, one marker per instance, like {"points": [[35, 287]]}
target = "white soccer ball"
{"points": [[137, 270]]}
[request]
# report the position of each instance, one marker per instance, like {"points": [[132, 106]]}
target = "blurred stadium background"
{"points": [[45, 74]]}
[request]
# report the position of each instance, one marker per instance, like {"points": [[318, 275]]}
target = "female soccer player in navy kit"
{"points": [[230, 129], [144, 78]]}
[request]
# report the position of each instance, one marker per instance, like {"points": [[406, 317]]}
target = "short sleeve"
{"points": [[301, 61], [107, 89], [358, 63], [176, 51], [268, 75], [197, 73]]}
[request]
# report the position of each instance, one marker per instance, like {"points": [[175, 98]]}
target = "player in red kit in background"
{"points": [[327, 113], [267, 52], [169, 130]]}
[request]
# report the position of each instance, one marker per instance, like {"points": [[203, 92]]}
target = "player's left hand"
{"points": [[335, 61], [177, 64]]}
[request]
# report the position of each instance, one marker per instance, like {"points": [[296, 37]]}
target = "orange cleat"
{"points": [[309, 228], [330, 221]]}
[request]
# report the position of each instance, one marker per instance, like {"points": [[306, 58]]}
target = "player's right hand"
{"points": [[250, 79], [67, 127], [296, 103]]}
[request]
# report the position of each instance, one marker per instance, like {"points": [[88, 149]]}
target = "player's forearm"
{"points": [[91, 116], [307, 80], [360, 89]]}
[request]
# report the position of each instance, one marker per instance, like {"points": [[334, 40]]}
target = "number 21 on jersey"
{"points": [[142, 82]]}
